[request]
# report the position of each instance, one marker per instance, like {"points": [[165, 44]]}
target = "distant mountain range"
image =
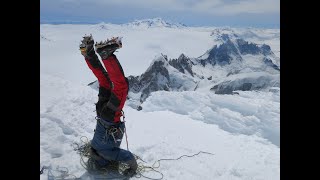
{"points": [[155, 22], [231, 58], [232, 64]]}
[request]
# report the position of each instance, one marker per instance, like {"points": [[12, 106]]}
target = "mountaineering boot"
{"points": [[93, 166], [93, 161], [94, 155], [86, 46], [111, 165], [87, 50], [132, 170], [106, 48]]}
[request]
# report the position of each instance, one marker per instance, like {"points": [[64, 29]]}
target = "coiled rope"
{"points": [[83, 149], [143, 168]]}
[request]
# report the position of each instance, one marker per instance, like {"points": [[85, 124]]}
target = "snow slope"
{"points": [[164, 131]]}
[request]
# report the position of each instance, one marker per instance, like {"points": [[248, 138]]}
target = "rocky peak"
{"points": [[183, 64]]}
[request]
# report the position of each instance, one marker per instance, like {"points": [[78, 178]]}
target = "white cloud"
{"points": [[250, 6], [220, 7]]}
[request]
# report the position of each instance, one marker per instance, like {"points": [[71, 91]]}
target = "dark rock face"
{"points": [[182, 64], [230, 51], [265, 50], [222, 55], [248, 48], [156, 78], [268, 62]]}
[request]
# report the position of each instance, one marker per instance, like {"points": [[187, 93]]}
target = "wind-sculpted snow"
{"points": [[166, 128], [66, 114], [250, 113], [246, 82]]}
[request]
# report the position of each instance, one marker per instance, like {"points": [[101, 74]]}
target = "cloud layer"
{"points": [[123, 10]]}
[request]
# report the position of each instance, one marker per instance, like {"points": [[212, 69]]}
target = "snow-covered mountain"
{"points": [[154, 23], [161, 75], [232, 64]]}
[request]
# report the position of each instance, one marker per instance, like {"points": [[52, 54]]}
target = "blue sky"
{"points": [[235, 13]]}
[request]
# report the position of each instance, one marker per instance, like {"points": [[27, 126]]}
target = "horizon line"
{"points": [[61, 22]]}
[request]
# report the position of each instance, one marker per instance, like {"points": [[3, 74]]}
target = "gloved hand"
{"points": [[86, 46]]}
